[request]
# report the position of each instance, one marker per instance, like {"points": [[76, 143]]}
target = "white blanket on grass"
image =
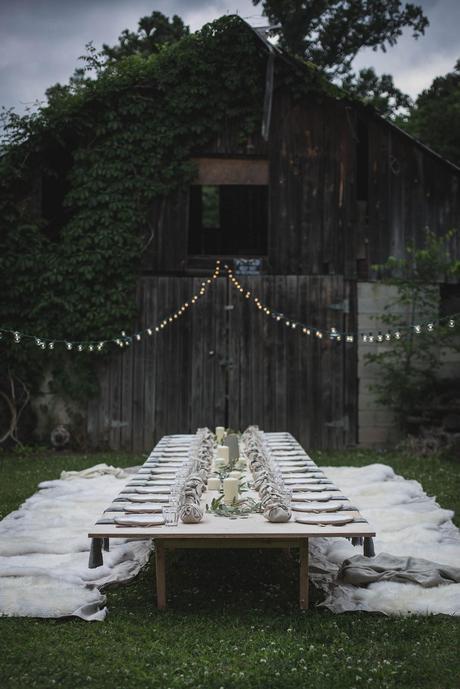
{"points": [[44, 547]]}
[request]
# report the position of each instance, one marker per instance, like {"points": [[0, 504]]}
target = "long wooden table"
{"points": [[220, 532]]}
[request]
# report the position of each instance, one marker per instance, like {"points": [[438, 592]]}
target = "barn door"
{"points": [[225, 362], [283, 379]]}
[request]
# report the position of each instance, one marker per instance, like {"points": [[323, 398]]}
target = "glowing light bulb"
{"points": [[69, 345], [451, 323]]}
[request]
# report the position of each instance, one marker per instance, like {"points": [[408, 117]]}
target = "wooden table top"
{"points": [[253, 528]]}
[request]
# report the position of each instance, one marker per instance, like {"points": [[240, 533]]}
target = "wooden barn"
{"points": [[300, 211]]}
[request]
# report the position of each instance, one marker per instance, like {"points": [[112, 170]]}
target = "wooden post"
{"points": [[303, 574], [160, 566]]}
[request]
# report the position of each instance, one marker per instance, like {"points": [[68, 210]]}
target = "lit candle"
{"points": [[231, 488], [220, 433], [222, 453], [213, 483]]}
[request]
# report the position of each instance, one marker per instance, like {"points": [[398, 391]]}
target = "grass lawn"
{"points": [[232, 621]]}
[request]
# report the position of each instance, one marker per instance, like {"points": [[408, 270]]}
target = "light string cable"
{"points": [[124, 339], [394, 333]]}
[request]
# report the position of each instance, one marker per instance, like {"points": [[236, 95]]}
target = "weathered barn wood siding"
{"points": [[316, 224], [175, 381], [410, 190]]}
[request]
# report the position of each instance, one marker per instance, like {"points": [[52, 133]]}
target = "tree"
{"points": [[435, 118], [330, 33], [409, 363], [380, 92], [154, 32]]}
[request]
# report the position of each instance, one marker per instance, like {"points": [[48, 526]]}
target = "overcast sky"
{"points": [[41, 40]]}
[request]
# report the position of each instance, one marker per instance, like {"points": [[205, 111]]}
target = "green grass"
{"points": [[232, 620]]}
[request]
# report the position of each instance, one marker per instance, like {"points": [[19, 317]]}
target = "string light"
{"points": [[332, 334]]}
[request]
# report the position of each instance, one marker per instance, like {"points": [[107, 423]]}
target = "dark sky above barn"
{"points": [[41, 40]]}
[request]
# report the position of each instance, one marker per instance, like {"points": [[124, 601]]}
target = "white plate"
{"points": [[146, 498], [150, 489], [311, 488], [161, 477], [145, 507], [324, 519], [139, 520], [332, 506], [310, 496], [305, 481]]}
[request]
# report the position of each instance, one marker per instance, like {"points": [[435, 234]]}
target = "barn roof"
{"points": [[297, 64]]}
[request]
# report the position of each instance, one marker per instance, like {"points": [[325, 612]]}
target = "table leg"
{"points": [[303, 574], [160, 565], [368, 547], [95, 554]]}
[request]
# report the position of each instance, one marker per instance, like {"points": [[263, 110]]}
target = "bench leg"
{"points": [[303, 574], [160, 566]]}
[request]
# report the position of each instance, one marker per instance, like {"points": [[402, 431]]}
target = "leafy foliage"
{"points": [[154, 31], [129, 133], [409, 368], [378, 91], [435, 118], [330, 33]]}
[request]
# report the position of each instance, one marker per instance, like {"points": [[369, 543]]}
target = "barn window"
{"points": [[362, 161], [228, 213]]}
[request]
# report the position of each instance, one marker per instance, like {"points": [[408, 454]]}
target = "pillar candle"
{"points": [[219, 464], [213, 483], [235, 474], [220, 433], [231, 487], [222, 453], [241, 463]]}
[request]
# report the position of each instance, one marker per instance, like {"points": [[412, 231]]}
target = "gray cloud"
{"points": [[41, 40]]}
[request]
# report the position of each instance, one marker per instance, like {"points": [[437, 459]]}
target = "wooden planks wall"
{"points": [[279, 378], [316, 225]]}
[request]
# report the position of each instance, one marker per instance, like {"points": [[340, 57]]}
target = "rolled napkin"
{"points": [[277, 512], [191, 513]]}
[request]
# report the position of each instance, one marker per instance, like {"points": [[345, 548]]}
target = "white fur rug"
{"points": [[407, 523], [44, 548]]}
